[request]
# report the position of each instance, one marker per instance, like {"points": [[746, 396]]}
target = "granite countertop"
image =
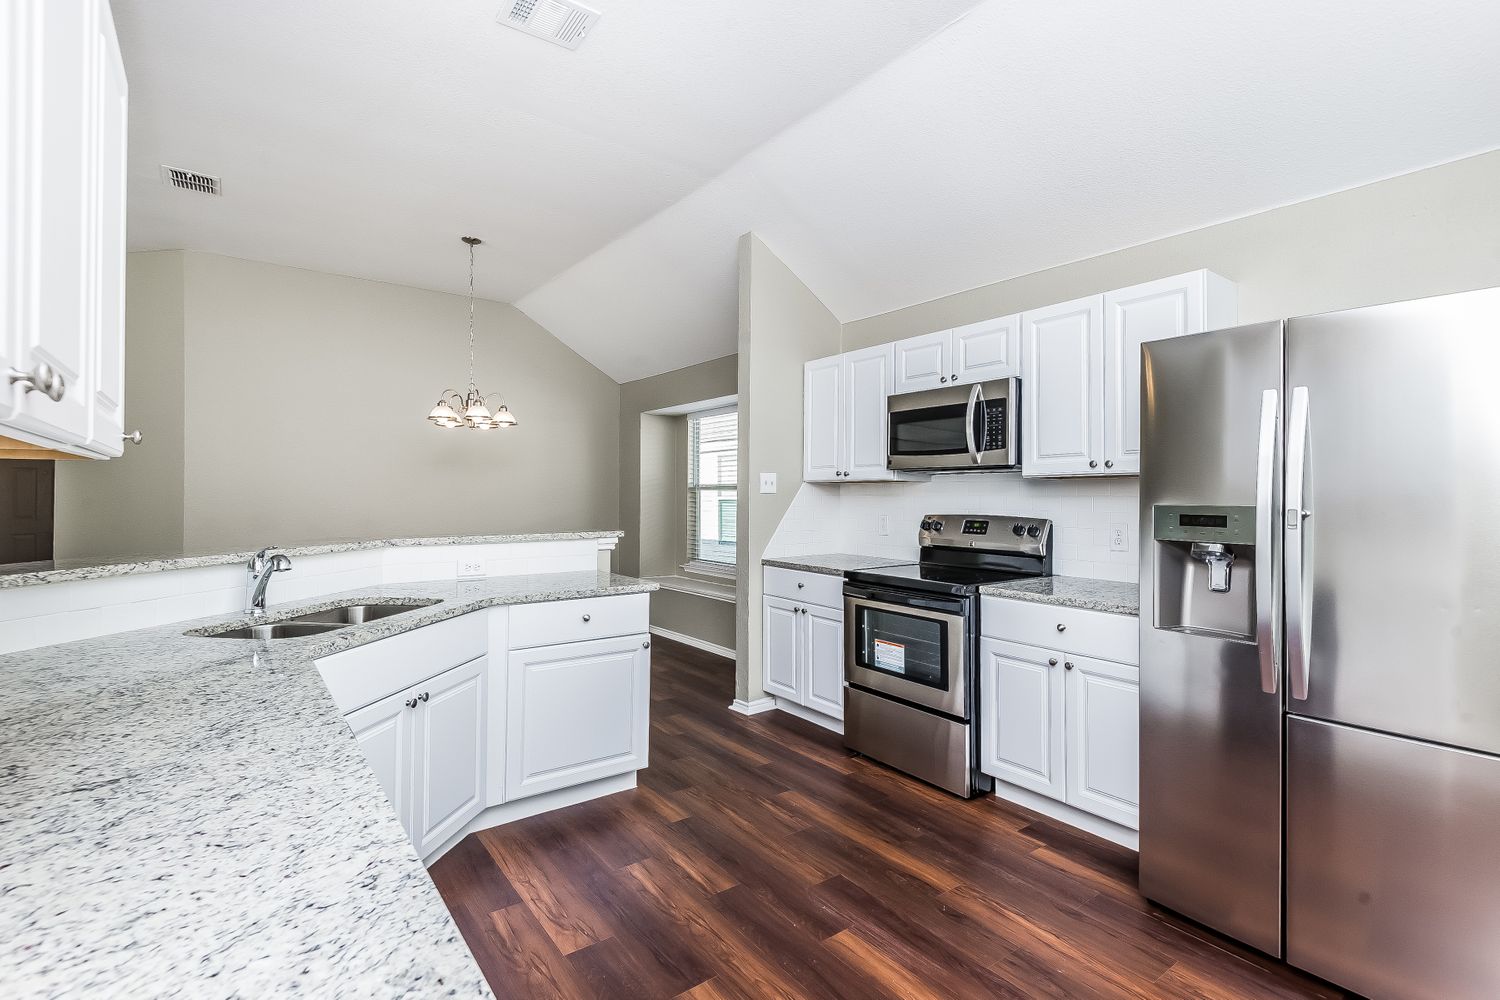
{"points": [[833, 563], [31, 574], [186, 817], [1072, 592]]}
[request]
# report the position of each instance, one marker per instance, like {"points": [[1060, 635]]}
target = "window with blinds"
{"points": [[713, 503]]}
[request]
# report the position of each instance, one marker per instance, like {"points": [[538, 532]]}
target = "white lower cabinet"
{"points": [[577, 712], [1058, 723], [802, 651], [426, 745]]}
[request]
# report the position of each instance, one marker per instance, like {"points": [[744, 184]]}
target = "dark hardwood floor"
{"points": [[759, 859]]}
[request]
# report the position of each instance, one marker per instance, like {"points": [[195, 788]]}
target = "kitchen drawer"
{"points": [[804, 588], [574, 621], [365, 674], [1073, 630]]}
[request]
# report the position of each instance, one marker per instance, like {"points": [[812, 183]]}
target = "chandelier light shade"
{"points": [[471, 409]]}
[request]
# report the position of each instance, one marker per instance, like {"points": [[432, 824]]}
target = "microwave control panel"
{"points": [[994, 424]]}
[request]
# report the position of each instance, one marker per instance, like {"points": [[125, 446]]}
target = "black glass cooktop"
{"points": [[932, 577]]}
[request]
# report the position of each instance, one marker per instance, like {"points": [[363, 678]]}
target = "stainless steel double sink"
{"points": [[316, 622]]}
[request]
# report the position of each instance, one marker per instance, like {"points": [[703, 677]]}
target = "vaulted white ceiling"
{"points": [[363, 138], [613, 182]]}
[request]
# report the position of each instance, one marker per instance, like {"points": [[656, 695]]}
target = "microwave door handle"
{"points": [[976, 397]]}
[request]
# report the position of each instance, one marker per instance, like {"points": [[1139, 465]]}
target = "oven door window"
{"points": [[932, 430], [901, 645]]}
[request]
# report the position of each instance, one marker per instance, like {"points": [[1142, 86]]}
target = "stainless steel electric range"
{"points": [[911, 644]]}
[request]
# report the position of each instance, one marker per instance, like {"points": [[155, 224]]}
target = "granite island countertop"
{"points": [[1110, 596], [833, 563], [60, 571], [190, 817]]}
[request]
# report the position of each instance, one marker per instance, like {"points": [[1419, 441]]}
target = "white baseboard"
{"points": [[535, 805], [816, 718], [696, 643], [1064, 813], [755, 707]]}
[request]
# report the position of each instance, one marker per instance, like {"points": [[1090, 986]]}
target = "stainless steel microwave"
{"points": [[960, 428]]}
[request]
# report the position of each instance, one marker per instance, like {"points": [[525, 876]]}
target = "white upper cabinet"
{"points": [[924, 362], [1062, 405], [823, 420], [844, 417], [1082, 371], [62, 289], [987, 350], [977, 352]]}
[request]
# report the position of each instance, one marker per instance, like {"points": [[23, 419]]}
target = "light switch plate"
{"points": [[1119, 538], [885, 524], [470, 568], [768, 482]]}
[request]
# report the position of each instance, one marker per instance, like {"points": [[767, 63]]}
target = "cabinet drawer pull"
{"points": [[588, 618], [800, 585], [44, 379], [1061, 627]]}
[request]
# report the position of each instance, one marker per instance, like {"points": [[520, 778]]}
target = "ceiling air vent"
{"points": [[190, 180], [561, 22]]}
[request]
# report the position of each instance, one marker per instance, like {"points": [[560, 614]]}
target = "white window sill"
{"points": [[703, 588]]}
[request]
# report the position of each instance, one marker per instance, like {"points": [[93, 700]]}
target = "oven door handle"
{"points": [[914, 610], [976, 399]]}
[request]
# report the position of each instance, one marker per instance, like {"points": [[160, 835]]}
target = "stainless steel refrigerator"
{"points": [[1320, 641]]}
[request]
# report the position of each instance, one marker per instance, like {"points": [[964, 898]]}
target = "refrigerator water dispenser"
{"points": [[1205, 570]]}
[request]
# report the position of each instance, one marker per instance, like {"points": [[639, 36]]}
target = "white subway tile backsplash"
{"points": [[846, 519]]}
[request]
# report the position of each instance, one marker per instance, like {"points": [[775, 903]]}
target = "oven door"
{"points": [[911, 647]]}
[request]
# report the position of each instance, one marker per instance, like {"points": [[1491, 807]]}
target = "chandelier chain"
{"points": [[471, 318]]}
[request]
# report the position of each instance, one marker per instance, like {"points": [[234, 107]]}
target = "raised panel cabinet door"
{"points": [[823, 420], [1103, 700], [19, 66], [823, 631], [1062, 389], [577, 712], [987, 350], [1156, 310], [867, 385], [1021, 716], [448, 769], [924, 362], [60, 196], [781, 655], [107, 324], [386, 731]]}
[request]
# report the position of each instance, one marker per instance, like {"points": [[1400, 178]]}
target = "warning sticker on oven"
{"points": [[890, 656]]}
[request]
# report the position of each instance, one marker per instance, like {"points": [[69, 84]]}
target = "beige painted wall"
{"points": [[782, 325], [132, 505], [303, 398], [1425, 233], [653, 476]]}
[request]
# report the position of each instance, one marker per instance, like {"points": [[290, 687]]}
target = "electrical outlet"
{"points": [[470, 567], [768, 482], [1119, 538], [885, 524]]}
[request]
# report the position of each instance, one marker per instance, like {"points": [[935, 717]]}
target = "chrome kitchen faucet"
{"points": [[259, 570]]}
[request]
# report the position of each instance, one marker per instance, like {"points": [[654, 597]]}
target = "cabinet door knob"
{"points": [[422, 697], [134, 437], [1052, 661], [1061, 627], [411, 703], [43, 379], [943, 378], [1068, 665], [1093, 464], [646, 644], [801, 585], [1109, 463], [588, 618], [953, 378]]}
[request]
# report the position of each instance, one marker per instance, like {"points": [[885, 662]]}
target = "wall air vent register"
{"points": [[558, 21], [191, 180]]}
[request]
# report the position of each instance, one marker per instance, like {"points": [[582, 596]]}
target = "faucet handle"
{"points": [[280, 562]]}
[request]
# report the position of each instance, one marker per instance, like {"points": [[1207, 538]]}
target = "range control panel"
{"points": [[992, 532]]}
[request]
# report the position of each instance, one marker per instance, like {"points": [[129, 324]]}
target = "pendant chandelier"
{"points": [[470, 410]]}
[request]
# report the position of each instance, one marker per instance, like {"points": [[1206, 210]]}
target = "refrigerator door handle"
{"points": [[1265, 541], [1298, 554]]}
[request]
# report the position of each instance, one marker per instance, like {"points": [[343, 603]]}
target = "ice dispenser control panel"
{"points": [[1221, 525]]}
